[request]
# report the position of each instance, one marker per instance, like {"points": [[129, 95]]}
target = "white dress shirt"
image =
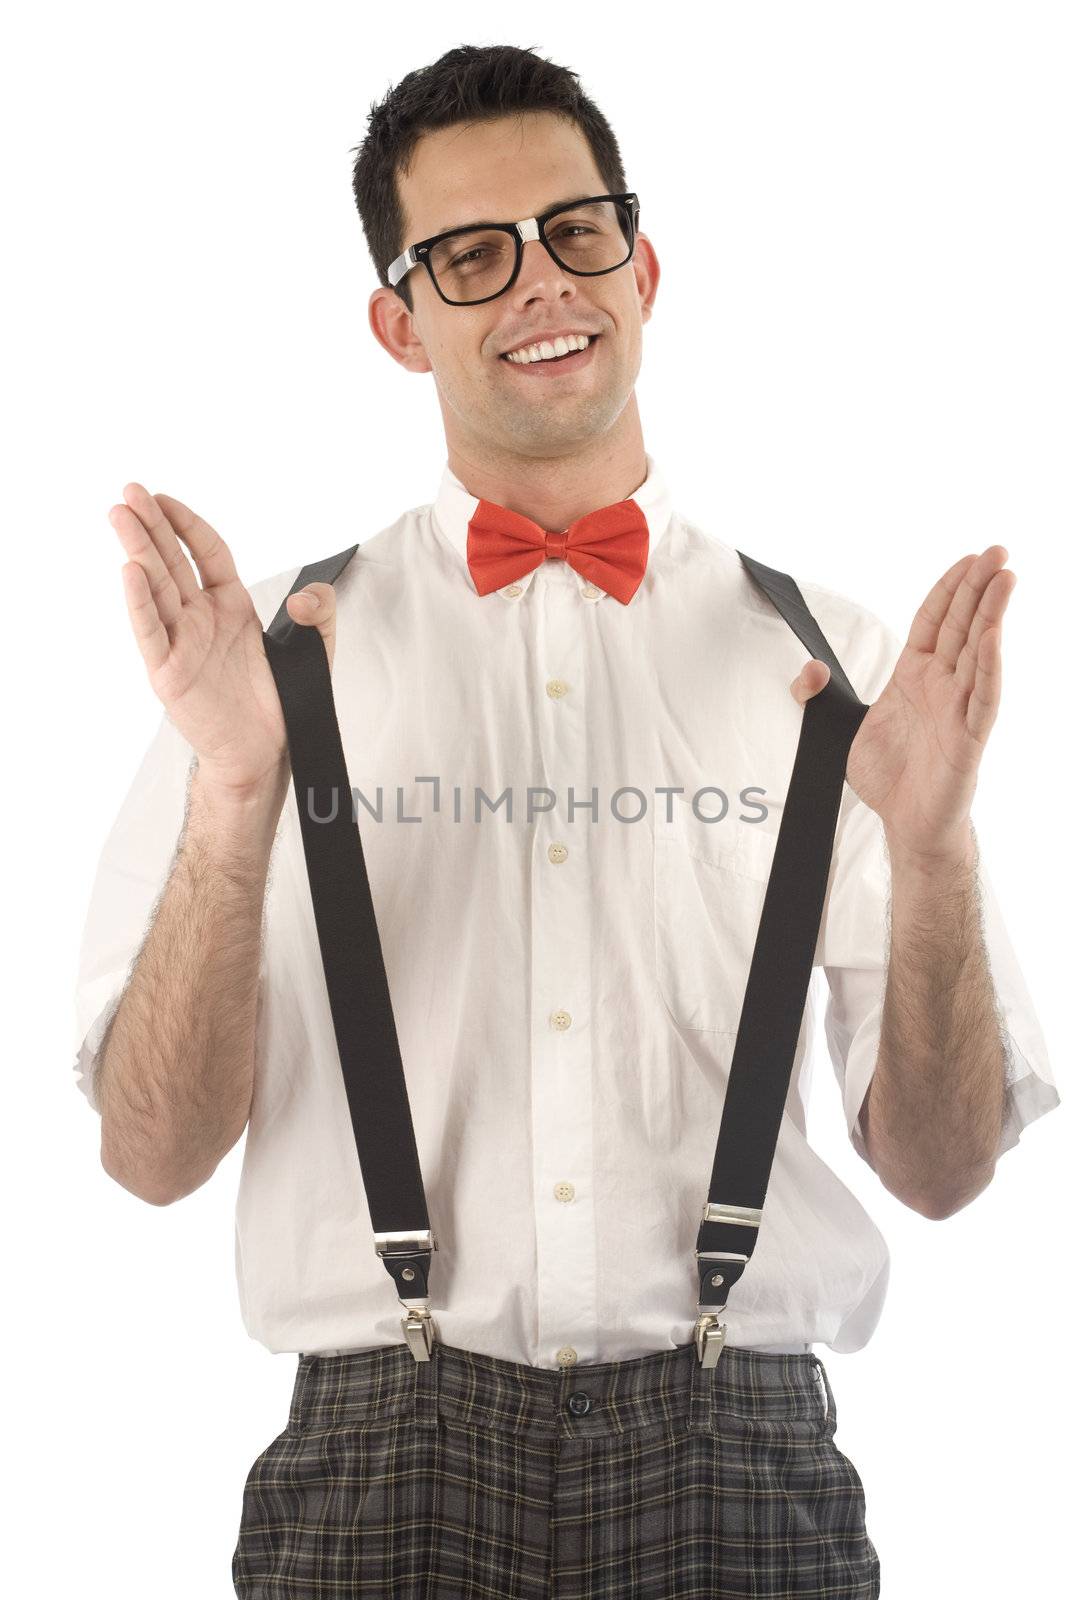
{"points": [[566, 990]]}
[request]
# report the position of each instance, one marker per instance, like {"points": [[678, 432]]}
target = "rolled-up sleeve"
{"points": [[131, 875], [854, 944]]}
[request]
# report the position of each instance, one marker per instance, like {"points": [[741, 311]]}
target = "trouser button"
{"points": [[580, 1403]]}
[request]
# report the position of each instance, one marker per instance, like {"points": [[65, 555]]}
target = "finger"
{"points": [[985, 697], [991, 609], [956, 626], [210, 551], [305, 610], [153, 641], [159, 529], [141, 548], [809, 681], [930, 615]]}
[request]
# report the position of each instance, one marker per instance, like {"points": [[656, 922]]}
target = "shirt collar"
{"points": [[453, 508]]}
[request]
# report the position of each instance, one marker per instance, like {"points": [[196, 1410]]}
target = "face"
{"points": [[504, 170]]}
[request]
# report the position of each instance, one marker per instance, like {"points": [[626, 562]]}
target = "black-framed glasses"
{"points": [[475, 263]]}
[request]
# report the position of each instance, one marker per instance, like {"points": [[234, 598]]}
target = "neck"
{"points": [[556, 490]]}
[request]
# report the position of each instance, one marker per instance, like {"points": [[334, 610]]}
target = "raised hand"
{"points": [[200, 638], [915, 757]]}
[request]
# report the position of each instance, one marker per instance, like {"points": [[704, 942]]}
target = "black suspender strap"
{"points": [[352, 960], [356, 983], [782, 959]]}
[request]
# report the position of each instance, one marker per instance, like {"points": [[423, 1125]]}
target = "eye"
{"points": [[468, 255]]}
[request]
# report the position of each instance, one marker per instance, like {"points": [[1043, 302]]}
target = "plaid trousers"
{"points": [[470, 1476]]}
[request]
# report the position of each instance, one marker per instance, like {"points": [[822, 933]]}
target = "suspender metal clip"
{"points": [[710, 1333], [418, 1331], [416, 1323], [710, 1338]]}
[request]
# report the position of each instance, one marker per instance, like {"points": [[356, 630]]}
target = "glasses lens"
{"points": [[470, 266], [592, 238], [595, 237]]}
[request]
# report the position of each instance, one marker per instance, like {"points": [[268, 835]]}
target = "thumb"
{"points": [[810, 680], [316, 606]]}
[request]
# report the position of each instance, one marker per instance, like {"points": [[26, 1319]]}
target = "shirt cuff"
{"points": [[1030, 1091]]}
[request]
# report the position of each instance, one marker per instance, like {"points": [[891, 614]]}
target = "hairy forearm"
{"points": [[936, 1099], [174, 1077]]}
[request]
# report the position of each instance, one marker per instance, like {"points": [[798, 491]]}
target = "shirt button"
{"points": [[561, 1020], [579, 1403], [513, 589], [564, 1191], [556, 688], [589, 591], [557, 852], [567, 1356]]}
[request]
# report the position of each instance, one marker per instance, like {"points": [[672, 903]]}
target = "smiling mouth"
{"points": [[575, 358]]}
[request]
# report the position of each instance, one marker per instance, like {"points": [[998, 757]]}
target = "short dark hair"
{"points": [[472, 83]]}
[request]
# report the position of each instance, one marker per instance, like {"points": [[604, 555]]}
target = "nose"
{"points": [[540, 276]]}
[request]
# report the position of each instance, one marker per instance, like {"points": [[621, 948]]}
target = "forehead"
{"points": [[495, 171]]}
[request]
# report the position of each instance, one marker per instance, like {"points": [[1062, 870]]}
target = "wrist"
{"points": [[955, 853], [265, 792], [239, 823]]}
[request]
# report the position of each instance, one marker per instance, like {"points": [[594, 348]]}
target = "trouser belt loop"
{"points": [[426, 1380]]}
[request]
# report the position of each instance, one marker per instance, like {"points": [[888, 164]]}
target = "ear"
{"points": [[393, 325], [646, 271]]}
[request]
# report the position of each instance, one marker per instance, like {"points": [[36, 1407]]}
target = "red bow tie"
{"points": [[609, 547]]}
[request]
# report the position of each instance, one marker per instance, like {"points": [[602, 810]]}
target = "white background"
{"points": [[854, 370]]}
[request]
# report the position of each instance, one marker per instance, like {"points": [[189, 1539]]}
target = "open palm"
{"points": [[202, 641], [915, 757]]}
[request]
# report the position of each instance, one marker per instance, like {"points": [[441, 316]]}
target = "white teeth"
{"points": [[549, 349]]}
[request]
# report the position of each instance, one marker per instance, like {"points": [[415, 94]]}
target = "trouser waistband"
{"points": [[375, 1385]]}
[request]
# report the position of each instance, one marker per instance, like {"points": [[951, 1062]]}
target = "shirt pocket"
{"points": [[709, 884]]}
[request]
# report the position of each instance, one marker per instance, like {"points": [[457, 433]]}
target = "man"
{"points": [[566, 983]]}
